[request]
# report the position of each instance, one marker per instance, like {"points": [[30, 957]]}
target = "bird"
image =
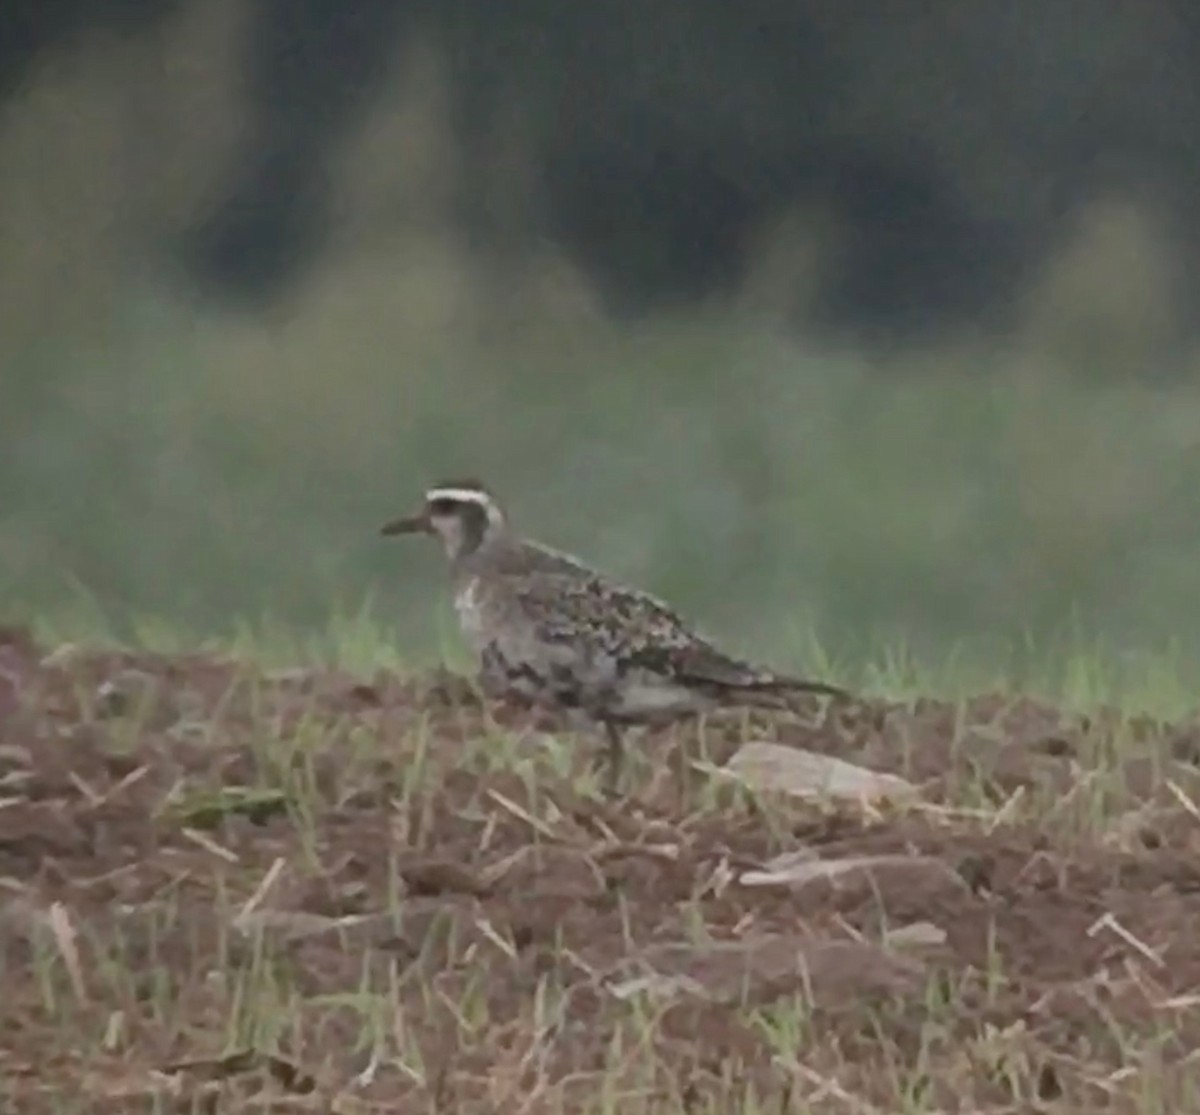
{"points": [[549, 629]]}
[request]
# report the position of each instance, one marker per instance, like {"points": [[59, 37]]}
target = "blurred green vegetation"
{"points": [[981, 498], [204, 474]]}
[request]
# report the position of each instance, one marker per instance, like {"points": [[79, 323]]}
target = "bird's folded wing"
{"points": [[598, 614], [638, 631], [703, 665]]}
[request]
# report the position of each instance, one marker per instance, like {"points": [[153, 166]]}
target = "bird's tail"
{"points": [[821, 687], [725, 674], [780, 688]]}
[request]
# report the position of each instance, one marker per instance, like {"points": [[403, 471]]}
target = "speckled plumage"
{"points": [[555, 631]]}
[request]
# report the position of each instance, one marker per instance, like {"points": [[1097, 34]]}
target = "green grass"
{"points": [[1073, 671], [202, 472]]}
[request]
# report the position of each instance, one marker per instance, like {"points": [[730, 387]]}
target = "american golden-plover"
{"points": [[547, 628]]}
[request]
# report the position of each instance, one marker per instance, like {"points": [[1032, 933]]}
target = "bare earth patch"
{"points": [[224, 889]]}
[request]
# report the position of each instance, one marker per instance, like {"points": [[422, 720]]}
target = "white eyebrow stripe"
{"points": [[459, 495]]}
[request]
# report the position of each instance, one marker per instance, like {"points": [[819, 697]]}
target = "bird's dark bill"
{"points": [[411, 524]]}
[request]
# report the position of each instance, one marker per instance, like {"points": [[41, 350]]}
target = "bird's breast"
{"points": [[469, 605]]}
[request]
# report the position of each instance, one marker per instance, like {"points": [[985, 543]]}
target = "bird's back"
{"points": [[542, 620]]}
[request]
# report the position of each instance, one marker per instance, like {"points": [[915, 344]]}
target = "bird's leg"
{"points": [[616, 756]]}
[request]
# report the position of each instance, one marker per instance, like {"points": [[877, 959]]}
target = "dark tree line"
{"points": [[944, 141]]}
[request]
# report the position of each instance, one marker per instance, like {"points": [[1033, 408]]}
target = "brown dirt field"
{"points": [[224, 889]]}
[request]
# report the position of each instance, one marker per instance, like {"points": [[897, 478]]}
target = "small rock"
{"points": [[13, 755], [62, 656], [298, 925], [796, 874], [808, 774], [918, 935], [124, 693], [765, 967]]}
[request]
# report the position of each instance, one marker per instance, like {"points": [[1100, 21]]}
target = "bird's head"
{"points": [[463, 514]]}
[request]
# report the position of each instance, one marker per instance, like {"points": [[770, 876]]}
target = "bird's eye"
{"points": [[442, 506]]}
